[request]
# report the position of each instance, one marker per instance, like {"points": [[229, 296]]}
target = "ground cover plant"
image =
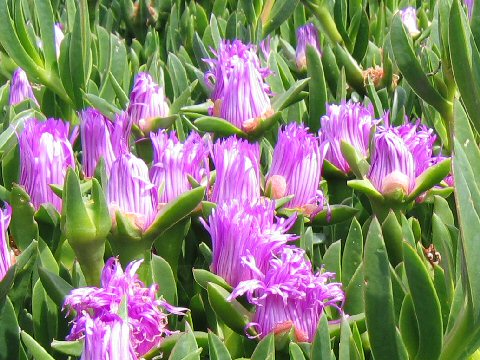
{"points": [[291, 179]]}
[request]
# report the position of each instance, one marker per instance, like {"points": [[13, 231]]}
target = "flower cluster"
{"points": [[297, 164], [306, 35], [289, 294], [99, 319], [45, 155], [242, 229], [349, 122], [239, 90]]}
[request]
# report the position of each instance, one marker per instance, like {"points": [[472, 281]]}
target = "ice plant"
{"points": [[144, 311], [237, 165], [245, 229], [5, 253], [45, 155], [349, 122], [107, 337], [306, 35], [288, 294], [20, 88], [174, 161], [392, 166], [59, 36], [409, 19], [246, 98], [130, 190], [147, 101], [96, 132], [297, 162], [221, 65], [419, 140]]}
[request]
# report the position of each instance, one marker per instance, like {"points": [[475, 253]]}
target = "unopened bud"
{"points": [[276, 187], [394, 182]]}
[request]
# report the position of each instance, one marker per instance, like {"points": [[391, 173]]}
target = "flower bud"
{"points": [[20, 88], [306, 35], [409, 19]]}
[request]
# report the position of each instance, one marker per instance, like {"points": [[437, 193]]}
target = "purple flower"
{"points": [[130, 190], [20, 88], [173, 161], [298, 159], [147, 101], [265, 47], [59, 36], [289, 294], [237, 165], [469, 4], [392, 165], [96, 132], [5, 254], [240, 229], [45, 155], [146, 320], [246, 98], [221, 66], [107, 337], [419, 140], [306, 35], [349, 122], [409, 19]]}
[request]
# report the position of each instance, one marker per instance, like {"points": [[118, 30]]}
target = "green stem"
{"points": [[90, 258], [326, 21]]}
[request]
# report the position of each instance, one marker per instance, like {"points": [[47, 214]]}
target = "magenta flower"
{"points": [[145, 316], [265, 47], [244, 229], [392, 165], [96, 132], [20, 88], [297, 162], [469, 4], [59, 36], [246, 98], [107, 337], [131, 191], [174, 161], [419, 140], [5, 254], [409, 19], [349, 122], [147, 101], [45, 155], [306, 35], [221, 66], [289, 294], [237, 165]]}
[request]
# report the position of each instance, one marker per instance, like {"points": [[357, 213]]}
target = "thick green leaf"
{"points": [[163, 276], [393, 235], [412, 71], [232, 313], [425, 303], [9, 331], [353, 252], [280, 12], [430, 177], [408, 327], [265, 349], [74, 348], [203, 277], [45, 314], [382, 330], [288, 97], [461, 49], [185, 345], [216, 348], [218, 126], [173, 212], [332, 259], [295, 352], [334, 214], [55, 286], [317, 89], [354, 302], [23, 226], [38, 352], [45, 20], [321, 346]]}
